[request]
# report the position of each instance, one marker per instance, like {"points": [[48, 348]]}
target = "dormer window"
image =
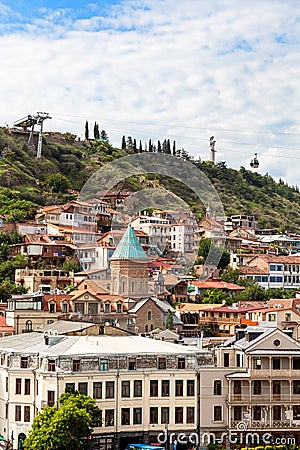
{"points": [[52, 307], [119, 307], [107, 307]]}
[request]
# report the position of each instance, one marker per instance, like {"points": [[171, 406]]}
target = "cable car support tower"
{"points": [[31, 121]]}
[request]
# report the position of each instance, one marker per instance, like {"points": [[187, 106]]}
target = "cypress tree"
{"points": [[123, 145], [86, 133], [158, 146], [140, 147], [174, 148]]}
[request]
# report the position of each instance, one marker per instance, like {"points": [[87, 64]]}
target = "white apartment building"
{"points": [[143, 386]]}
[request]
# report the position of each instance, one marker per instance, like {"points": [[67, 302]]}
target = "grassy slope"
{"points": [[22, 178]]}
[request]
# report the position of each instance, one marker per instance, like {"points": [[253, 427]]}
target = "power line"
{"points": [[210, 129]]}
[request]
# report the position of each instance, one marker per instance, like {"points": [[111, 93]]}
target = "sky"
{"points": [[155, 69]]}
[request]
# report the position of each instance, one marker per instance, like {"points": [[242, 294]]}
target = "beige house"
{"points": [[261, 390]]}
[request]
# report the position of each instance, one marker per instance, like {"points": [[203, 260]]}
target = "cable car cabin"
{"points": [[143, 447], [254, 162]]}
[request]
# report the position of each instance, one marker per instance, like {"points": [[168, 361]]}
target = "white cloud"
{"points": [[183, 69]]}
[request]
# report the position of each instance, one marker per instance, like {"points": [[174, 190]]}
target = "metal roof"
{"points": [[80, 346], [129, 248]]}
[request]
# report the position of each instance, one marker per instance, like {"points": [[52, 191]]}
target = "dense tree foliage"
{"points": [[65, 428], [209, 253]]}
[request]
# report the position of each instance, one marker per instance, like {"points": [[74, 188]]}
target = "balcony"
{"points": [[263, 425], [260, 399]]}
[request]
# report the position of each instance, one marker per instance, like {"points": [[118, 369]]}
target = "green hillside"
{"points": [[26, 183]]}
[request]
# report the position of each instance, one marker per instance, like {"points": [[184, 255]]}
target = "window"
{"points": [[119, 308], [165, 388], [190, 414], [237, 413], [276, 363], [226, 359], [257, 387], [190, 388], [50, 398], [179, 388], [109, 417], [52, 307], [276, 412], [97, 389], [110, 389], [162, 363], [103, 366], [217, 387], [296, 387], [256, 412], [256, 363], [165, 414], [296, 412], [17, 413], [125, 389], [83, 388], [296, 363], [125, 416], [93, 308], [18, 386], [65, 307], [178, 414], [181, 363], [26, 413], [276, 388], [76, 365], [79, 307], [153, 388], [107, 307], [217, 413], [271, 317], [70, 387], [132, 364], [27, 386], [137, 388], [237, 387], [24, 362], [149, 315], [137, 416], [28, 326], [6, 384], [51, 365], [153, 415], [239, 360]]}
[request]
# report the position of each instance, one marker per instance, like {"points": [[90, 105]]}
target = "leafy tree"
{"points": [[216, 296], [67, 427], [8, 288], [209, 253], [169, 320], [103, 136], [252, 293], [231, 275], [86, 131], [57, 183]]}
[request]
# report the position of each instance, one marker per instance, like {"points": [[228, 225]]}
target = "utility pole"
{"points": [[213, 151]]}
